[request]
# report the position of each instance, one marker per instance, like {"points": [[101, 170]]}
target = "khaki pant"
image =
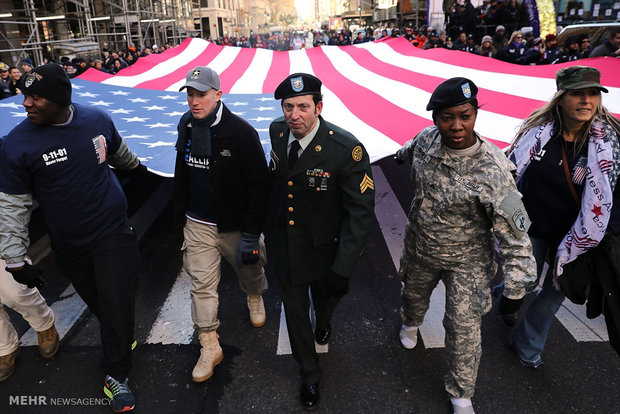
{"points": [[28, 302], [204, 248]]}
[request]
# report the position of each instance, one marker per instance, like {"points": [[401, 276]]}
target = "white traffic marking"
{"points": [[67, 310], [284, 343], [174, 323], [574, 319], [392, 222]]}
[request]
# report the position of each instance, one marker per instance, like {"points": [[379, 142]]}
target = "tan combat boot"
{"points": [[48, 342], [256, 306], [210, 355], [7, 365]]}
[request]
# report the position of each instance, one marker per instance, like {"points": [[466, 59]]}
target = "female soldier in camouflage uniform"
{"points": [[464, 191]]}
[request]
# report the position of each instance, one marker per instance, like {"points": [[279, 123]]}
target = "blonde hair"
{"points": [[513, 35], [552, 111]]}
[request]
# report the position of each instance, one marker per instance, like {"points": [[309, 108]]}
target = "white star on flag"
{"points": [[175, 113], [9, 105], [87, 95], [135, 119], [139, 100], [265, 108], [158, 144], [261, 119], [154, 108], [132, 136], [236, 103], [160, 125], [100, 103], [121, 111], [166, 97], [120, 93]]}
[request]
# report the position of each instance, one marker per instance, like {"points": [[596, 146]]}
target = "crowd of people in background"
{"points": [[495, 29]]}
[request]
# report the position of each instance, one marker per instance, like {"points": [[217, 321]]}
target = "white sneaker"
{"points": [[462, 406], [408, 336]]}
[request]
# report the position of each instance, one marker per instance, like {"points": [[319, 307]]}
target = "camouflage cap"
{"points": [[578, 77]]}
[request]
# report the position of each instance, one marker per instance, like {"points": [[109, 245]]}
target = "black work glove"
{"points": [[27, 275], [247, 250], [337, 285], [509, 306], [141, 170]]}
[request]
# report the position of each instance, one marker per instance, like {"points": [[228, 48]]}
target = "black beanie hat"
{"points": [[49, 81]]}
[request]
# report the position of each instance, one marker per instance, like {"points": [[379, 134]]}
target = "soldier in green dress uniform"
{"points": [[325, 206]]}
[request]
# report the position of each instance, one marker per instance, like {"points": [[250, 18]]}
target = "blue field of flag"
{"points": [[148, 119]]}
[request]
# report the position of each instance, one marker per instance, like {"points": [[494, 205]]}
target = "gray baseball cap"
{"points": [[202, 78]]}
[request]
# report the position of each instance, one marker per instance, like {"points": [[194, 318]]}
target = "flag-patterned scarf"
{"points": [[596, 200]]}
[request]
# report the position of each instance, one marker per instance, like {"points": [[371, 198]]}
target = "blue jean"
{"points": [[530, 335]]}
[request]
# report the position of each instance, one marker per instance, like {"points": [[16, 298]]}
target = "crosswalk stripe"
{"points": [[574, 319], [67, 310], [392, 222], [284, 343], [174, 324]]}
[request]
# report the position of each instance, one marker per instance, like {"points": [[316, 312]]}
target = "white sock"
{"points": [[460, 402], [408, 336]]}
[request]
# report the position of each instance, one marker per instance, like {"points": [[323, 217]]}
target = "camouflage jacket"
{"points": [[459, 202]]}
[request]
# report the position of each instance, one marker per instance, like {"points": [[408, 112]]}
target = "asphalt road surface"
{"points": [[365, 369]]}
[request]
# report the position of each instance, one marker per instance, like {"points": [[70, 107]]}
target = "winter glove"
{"points": [[27, 275], [141, 170], [247, 250], [508, 306], [337, 285]]}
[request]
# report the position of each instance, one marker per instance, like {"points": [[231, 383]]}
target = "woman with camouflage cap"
{"points": [[568, 161]]}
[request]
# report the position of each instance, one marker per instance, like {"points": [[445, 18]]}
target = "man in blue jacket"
{"points": [[61, 156]]}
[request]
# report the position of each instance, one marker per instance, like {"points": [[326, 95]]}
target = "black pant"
{"points": [[296, 308], [106, 278]]}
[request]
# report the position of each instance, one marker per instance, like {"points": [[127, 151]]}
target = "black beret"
{"points": [[49, 81], [452, 92], [298, 84]]}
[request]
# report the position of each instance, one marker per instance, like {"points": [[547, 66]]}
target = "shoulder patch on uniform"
{"points": [[366, 184], [357, 153], [515, 213]]}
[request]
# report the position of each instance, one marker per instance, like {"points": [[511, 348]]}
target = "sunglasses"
{"points": [[519, 37]]}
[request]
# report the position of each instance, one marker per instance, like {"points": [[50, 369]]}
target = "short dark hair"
{"points": [[614, 32], [317, 97]]}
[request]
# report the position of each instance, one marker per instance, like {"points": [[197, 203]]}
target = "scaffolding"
{"points": [[37, 29]]}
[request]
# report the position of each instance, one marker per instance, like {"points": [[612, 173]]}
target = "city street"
{"points": [[365, 369]]}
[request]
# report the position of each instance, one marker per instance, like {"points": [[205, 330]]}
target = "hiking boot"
{"points": [[408, 336], [210, 355], [256, 306], [7, 365], [120, 394], [48, 342]]}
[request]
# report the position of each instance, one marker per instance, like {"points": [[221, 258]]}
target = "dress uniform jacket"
{"points": [[326, 203]]}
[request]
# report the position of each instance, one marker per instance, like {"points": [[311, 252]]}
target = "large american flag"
{"points": [[378, 91]]}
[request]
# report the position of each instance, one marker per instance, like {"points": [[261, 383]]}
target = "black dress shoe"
{"points": [[321, 335], [309, 396]]}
